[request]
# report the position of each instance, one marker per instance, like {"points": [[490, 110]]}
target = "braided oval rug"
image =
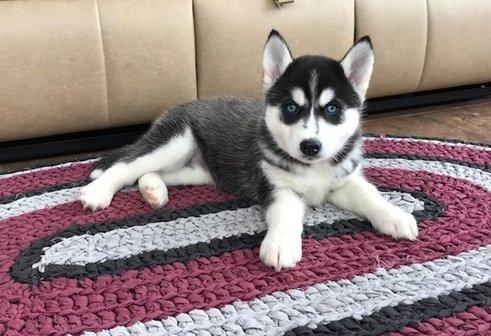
{"points": [[193, 267]]}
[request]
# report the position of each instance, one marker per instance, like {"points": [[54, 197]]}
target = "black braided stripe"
{"points": [[23, 271], [389, 319], [39, 191]]}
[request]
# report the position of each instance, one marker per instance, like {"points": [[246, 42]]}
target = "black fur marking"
{"points": [[329, 75], [302, 113], [347, 148], [354, 164], [334, 119], [264, 192], [267, 140], [22, 270], [279, 165]]}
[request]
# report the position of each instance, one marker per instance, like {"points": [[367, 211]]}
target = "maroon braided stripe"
{"points": [[18, 232], [66, 305], [461, 153], [44, 178]]}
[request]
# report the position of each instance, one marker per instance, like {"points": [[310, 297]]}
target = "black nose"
{"points": [[310, 147]]}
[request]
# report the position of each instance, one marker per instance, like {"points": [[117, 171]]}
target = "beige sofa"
{"points": [[76, 65]]}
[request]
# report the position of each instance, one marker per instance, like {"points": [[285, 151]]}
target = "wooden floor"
{"points": [[469, 121]]}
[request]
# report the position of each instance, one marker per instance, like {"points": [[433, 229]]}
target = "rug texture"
{"points": [[193, 266]]}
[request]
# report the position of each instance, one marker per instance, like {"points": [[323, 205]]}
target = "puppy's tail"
{"points": [[106, 161]]}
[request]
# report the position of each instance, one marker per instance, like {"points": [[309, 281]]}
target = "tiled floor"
{"points": [[469, 121]]}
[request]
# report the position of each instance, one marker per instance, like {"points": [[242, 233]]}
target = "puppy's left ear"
{"points": [[358, 65], [276, 58]]}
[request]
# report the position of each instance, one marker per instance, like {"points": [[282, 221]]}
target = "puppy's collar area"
{"points": [[354, 140], [266, 141]]}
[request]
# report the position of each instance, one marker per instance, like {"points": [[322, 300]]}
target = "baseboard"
{"points": [[426, 98], [69, 143], [116, 137]]}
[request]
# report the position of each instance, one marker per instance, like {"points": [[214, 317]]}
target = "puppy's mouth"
{"points": [[311, 159]]}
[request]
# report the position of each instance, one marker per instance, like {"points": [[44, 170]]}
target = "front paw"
{"points": [[95, 196], [396, 223], [281, 250]]}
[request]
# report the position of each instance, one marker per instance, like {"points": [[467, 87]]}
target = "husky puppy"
{"points": [[300, 146]]}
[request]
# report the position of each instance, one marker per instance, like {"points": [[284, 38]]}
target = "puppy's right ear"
{"points": [[276, 58], [358, 65]]}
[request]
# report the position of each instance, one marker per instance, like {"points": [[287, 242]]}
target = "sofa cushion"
{"points": [[78, 65], [458, 45], [398, 32], [51, 68], [150, 57], [230, 36]]}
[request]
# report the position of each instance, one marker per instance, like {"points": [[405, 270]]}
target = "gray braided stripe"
{"points": [[326, 302], [39, 202], [126, 242], [473, 175]]}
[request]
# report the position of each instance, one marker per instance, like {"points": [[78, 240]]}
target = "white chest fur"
{"points": [[313, 183]]}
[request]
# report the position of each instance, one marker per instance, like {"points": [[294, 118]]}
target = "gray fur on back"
{"points": [[227, 132]]}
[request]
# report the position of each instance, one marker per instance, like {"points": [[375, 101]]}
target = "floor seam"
{"points": [[103, 60], [426, 45]]}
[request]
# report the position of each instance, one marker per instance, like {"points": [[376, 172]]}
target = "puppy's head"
{"points": [[313, 103]]}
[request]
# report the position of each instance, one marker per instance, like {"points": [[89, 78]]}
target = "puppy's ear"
{"points": [[276, 58], [358, 65]]}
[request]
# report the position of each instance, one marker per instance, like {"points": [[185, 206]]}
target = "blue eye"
{"points": [[331, 108], [290, 109]]}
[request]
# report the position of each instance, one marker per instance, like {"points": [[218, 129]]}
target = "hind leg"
{"points": [[141, 158], [153, 190], [188, 175], [153, 185]]}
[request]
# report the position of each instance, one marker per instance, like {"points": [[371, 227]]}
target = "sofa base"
{"points": [[116, 137]]}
